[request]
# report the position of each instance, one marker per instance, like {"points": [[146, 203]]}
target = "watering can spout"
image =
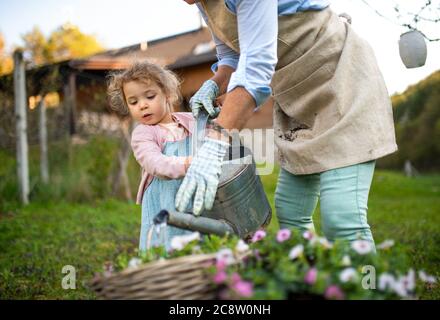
{"points": [[190, 222]]}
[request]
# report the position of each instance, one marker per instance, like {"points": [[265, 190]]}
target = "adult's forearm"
{"points": [[238, 105], [222, 77], [237, 109]]}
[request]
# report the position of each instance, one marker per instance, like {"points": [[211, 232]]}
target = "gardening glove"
{"points": [[202, 177], [204, 99]]}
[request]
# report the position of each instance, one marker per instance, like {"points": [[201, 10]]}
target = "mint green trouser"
{"points": [[343, 194]]}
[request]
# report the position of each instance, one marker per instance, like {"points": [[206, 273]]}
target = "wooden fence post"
{"points": [[21, 126], [120, 176], [44, 162], [72, 101], [69, 91]]}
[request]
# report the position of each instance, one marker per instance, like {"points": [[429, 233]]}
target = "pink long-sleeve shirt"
{"points": [[148, 141]]}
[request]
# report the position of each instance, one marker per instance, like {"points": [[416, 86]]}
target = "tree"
{"points": [[417, 117], [6, 63], [66, 42], [36, 47]]}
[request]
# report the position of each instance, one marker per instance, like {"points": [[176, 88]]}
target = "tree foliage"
{"points": [[35, 45], [417, 120], [6, 63], [66, 42]]}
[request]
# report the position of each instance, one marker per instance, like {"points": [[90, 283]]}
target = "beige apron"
{"points": [[332, 108]]}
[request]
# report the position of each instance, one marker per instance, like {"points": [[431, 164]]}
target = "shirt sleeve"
{"points": [[257, 31], [150, 157], [225, 55]]}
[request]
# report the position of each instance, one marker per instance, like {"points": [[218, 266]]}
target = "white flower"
{"points": [[386, 281], [134, 262], [426, 277], [325, 243], [296, 251], [226, 255], [409, 280], [386, 244], [399, 287], [191, 237], [362, 246], [241, 246], [179, 242], [346, 261], [314, 239], [348, 274]]}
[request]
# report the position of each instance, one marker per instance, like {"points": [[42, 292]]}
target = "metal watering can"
{"points": [[240, 207]]}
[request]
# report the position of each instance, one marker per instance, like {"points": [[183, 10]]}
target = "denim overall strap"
{"points": [[160, 195]]}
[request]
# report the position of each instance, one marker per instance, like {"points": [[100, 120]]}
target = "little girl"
{"points": [[160, 142]]}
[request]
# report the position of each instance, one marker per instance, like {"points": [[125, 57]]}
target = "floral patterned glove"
{"points": [[202, 177], [204, 99]]}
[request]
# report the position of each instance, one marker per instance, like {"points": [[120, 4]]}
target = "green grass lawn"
{"points": [[36, 241]]}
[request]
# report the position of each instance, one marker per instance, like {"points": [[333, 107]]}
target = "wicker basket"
{"points": [[179, 278]]}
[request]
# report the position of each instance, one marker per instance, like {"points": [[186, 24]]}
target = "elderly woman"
{"points": [[332, 113]]}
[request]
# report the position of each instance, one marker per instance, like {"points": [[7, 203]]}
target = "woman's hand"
{"points": [[202, 178], [204, 99]]}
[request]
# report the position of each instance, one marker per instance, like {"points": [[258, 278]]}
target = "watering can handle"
{"points": [[199, 131]]}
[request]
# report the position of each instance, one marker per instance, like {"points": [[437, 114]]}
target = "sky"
{"points": [[118, 23]]}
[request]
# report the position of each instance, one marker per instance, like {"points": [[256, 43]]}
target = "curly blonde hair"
{"points": [[145, 72]]}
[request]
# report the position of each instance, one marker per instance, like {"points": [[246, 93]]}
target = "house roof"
{"points": [[177, 51]]}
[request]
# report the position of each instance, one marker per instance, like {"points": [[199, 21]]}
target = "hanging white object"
{"points": [[412, 49]]}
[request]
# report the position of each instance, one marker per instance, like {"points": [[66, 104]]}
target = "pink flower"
{"points": [[244, 288], [224, 294], [362, 246], [311, 275], [259, 235], [283, 235], [220, 277], [220, 264], [257, 255], [334, 292], [308, 235], [235, 277]]}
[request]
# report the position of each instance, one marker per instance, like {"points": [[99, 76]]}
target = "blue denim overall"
{"points": [[160, 195]]}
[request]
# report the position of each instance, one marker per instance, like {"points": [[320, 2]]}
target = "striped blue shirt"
{"points": [[258, 28]]}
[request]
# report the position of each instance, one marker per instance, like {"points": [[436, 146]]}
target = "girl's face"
{"points": [[147, 103]]}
